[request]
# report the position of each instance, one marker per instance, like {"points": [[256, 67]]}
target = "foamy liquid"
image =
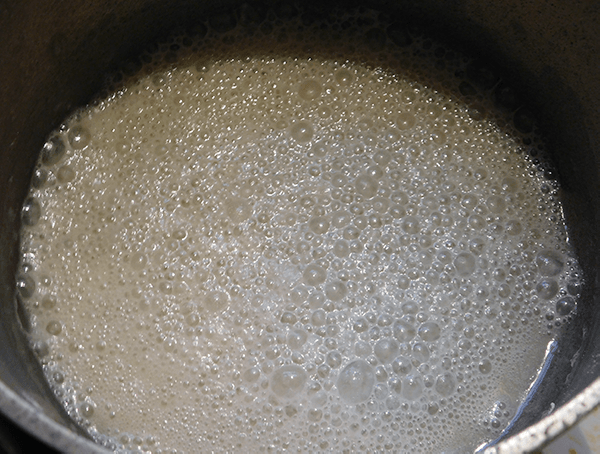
{"points": [[253, 251]]}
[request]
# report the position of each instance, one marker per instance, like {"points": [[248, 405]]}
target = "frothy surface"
{"points": [[247, 250]]}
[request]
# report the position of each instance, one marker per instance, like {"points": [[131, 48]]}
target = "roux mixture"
{"points": [[265, 247]]}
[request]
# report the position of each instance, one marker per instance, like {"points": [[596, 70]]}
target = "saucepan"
{"points": [[55, 55]]}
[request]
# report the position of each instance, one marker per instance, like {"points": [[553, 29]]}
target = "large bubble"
{"points": [[53, 151], [549, 263], [356, 381], [465, 264], [386, 349], [302, 131], [288, 381], [310, 89], [366, 186]]}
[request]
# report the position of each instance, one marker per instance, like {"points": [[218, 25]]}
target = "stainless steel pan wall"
{"points": [[54, 56]]}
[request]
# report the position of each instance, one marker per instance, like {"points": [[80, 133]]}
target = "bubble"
{"points": [[40, 177], [161, 150], [386, 349], [382, 157], [445, 384], [547, 288], [375, 221], [288, 318], [403, 331], [53, 327], [399, 197], [565, 306], [31, 212], [87, 409], [334, 359], [252, 375], [432, 408], [360, 325], [375, 172], [476, 245], [464, 344], [339, 180], [410, 225], [464, 264], [469, 201], [238, 209], [318, 317], [79, 137], [480, 174], [405, 120], [410, 307], [288, 381], [25, 286], [302, 131], [356, 246], [315, 414], [485, 366], [384, 320], [351, 232], [316, 300], [504, 291], [496, 204], [362, 349], [65, 174], [192, 319], [381, 391], [476, 222], [380, 204], [298, 294], [216, 301], [319, 224], [397, 211], [335, 291], [366, 186], [356, 381], [412, 387], [41, 349], [166, 287], [48, 302], [420, 352], [361, 223], [429, 331], [53, 151], [324, 111], [310, 89], [58, 377], [319, 149], [510, 185], [340, 219], [314, 275], [138, 261], [549, 263], [341, 248], [401, 365], [343, 77], [514, 227]]}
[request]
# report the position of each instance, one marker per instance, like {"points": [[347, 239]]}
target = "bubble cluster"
{"points": [[248, 245]]}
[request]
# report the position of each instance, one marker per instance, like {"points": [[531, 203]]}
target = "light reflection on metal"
{"points": [[548, 357], [546, 430]]}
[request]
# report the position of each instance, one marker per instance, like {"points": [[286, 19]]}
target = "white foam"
{"points": [[277, 253]]}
